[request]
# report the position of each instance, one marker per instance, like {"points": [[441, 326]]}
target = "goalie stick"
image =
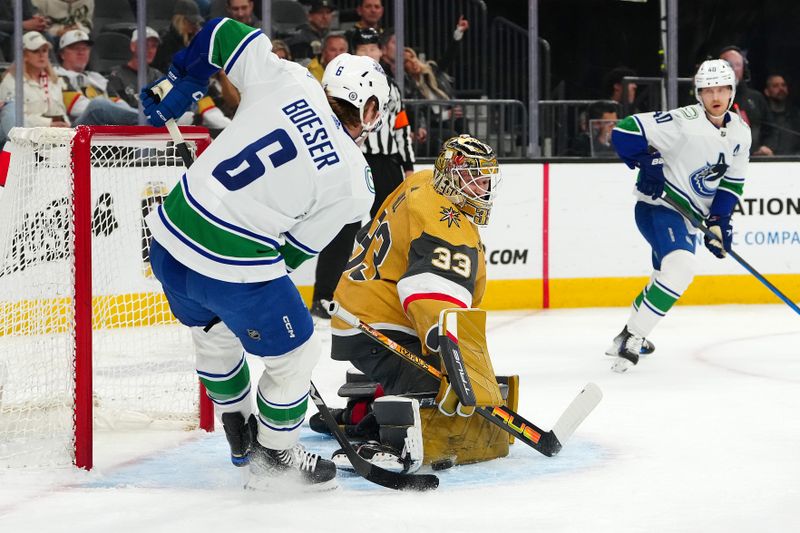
{"points": [[364, 468], [548, 443], [711, 235]]}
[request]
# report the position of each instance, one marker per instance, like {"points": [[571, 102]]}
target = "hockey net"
{"points": [[86, 337]]}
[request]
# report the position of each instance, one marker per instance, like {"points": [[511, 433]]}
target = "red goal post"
{"points": [[77, 296]]}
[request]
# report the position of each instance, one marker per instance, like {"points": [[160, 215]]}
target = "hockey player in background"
{"points": [[422, 254], [266, 195], [698, 156]]}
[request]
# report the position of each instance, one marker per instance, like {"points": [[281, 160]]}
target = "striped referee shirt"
{"points": [[394, 135]]}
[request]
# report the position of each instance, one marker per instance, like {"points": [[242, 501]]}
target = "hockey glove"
{"points": [[721, 227], [185, 91], [651, 176]]}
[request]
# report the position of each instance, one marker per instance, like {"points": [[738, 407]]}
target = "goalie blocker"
{"points": [[449, 434]]}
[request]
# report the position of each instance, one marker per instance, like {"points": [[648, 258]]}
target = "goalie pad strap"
{"points": [[462, 341]]}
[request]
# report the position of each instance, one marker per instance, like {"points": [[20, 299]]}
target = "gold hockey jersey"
{"points": [[418, 256]]}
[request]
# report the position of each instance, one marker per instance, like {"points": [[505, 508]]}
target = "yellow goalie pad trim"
{"points": [[466, 328]]}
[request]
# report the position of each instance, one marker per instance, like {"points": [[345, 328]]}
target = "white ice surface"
{"points": [[703, 435]]}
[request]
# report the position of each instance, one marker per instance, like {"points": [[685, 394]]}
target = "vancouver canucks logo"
{"points": [[370, 181], [702, 179], [451, 216]]}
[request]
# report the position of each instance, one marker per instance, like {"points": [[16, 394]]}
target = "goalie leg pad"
{"points": [[401, 429], [471, 378]]}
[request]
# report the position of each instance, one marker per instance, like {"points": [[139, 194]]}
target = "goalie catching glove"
{"points": [[470, 380]]}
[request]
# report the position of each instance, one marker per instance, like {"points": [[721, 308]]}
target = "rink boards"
{"points": [[563, 235], [560, 235]]}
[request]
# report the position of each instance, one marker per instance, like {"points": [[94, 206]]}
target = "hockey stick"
{"points": [[711, 235], [548, 443], [158, 92], [364, 468]]}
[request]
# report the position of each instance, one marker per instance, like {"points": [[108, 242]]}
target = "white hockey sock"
{"points": [[661, 293], [223, 369], [283, 394]]}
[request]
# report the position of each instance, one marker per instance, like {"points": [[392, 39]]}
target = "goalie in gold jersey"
{"points": [[421, 254]]}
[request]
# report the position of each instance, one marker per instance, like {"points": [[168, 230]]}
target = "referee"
{"points": [[390, 156]]}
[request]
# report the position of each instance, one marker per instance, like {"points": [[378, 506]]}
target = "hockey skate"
{"points": [[239, 435], [628, 354], [613, 350], [294, 468]]}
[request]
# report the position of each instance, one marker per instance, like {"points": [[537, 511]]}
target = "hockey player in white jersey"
{"points": [[698, 156], [270, 192]]}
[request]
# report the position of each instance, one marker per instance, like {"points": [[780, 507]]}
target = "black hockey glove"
{"points": [[651, 176], [721, 227]]}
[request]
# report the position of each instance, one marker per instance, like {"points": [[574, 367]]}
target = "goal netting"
{"points": [[86, 337]]}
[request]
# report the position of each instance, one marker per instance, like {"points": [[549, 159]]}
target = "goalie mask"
{"points": [[356, 79], [715, 73], [466, 173]]}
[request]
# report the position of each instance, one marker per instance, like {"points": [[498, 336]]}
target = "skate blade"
{"points": [[621, 365]]}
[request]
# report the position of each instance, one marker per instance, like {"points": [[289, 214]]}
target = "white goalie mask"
{"points": [[356, 79], [467, 173], [715, 73]]}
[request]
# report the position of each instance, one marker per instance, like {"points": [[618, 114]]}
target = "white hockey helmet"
{"points": [[356, 79], [715, 73]]}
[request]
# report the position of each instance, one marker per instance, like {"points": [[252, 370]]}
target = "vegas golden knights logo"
{"points": [[152, 196]]}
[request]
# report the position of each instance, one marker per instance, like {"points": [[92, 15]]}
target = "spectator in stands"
{"points": [[429, 80], [123, 82], [388, 51], [332, 45], [44, 104], [307, 42], [32, 20], [370, 13], [281, 49], [65, 15], [242, 10], [750, 104], [786, 117], [84, 91], [595, 139], [612, 89], [186, 22]]}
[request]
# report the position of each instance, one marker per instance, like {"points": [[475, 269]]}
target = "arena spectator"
{"points": [[242, 10], [785, 116], [307, 42], [281, 49], [612, 89], [32, 20], [595, 139], [750, 104], [429, 80], [332, 45], [44, 104], [186, 22], [123, 82], [85, 96], [65, 15], [370, 13]]}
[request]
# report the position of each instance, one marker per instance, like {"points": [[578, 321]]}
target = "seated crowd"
{"points": [[81, 68], [78, 71]]}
